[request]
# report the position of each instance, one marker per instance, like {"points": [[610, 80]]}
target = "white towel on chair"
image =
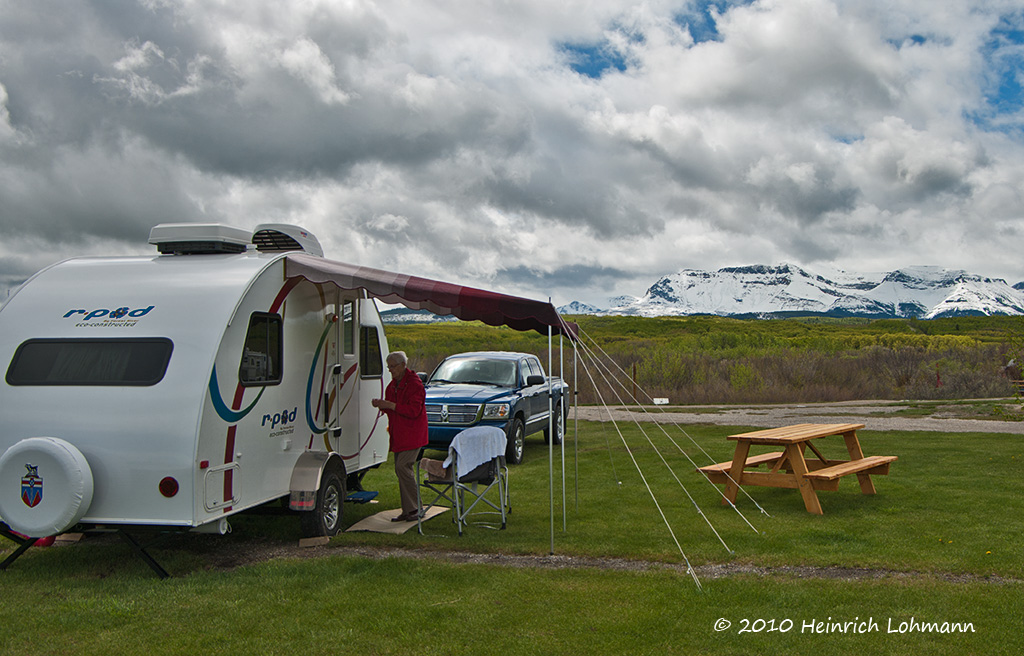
{"points": [[476, 446]]}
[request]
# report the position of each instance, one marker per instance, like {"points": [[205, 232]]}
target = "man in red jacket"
{"points": [[403, 403]]}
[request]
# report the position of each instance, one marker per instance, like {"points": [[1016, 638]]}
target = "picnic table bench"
{"points": [[790, 468]]}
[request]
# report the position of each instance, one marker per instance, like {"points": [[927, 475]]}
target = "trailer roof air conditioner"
{"points": [[199, 238], [276, 237]]}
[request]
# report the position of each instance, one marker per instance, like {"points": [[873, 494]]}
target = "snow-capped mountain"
{"points": [[577, 308], [403, 315], [923, 292]]}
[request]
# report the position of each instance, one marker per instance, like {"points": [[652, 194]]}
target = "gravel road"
{"points": [[875, 415]]}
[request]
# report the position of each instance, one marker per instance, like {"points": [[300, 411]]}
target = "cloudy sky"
{"points": [[575, 149]]}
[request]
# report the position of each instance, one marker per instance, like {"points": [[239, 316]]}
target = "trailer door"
{"points": [[345, 408], [373, 379]]}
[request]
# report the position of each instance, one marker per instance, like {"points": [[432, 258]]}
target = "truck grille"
{"points": [[452, 414]]}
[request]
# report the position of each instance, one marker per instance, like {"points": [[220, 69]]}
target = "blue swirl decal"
{"points": [[309, 382], [226, 413]]}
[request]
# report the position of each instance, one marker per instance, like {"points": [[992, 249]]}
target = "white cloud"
{"points": [[453, 139], [6, 130], [306, 61], [137, 75]]}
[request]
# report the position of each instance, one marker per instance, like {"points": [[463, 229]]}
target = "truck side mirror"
{"points": [[422, 375], [535, 380]]}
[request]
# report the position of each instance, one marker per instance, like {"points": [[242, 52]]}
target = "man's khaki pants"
{"points": [[404, 463]]}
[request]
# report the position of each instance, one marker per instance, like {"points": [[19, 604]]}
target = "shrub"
{"points": [[708, 360]]}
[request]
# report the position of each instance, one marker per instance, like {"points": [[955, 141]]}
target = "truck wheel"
{"points": [[325, 519], [516, 441], [558, 423]]}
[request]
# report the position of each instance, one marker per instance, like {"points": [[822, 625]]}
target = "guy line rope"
{"points": [[607, 375]]}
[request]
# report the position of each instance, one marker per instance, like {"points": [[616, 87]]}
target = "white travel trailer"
{"points": [[174, 390]]}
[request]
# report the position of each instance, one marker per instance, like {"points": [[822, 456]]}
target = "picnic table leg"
{"points": [[796, 460], [867, 486], [739, 461]]}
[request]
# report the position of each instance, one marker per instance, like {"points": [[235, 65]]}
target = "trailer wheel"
{"points": [[325, 519]]}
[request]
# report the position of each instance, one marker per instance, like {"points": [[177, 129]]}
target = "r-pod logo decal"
{"points": [[117, 313]]}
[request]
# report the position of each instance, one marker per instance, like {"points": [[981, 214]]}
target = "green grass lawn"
{"points": [[942, 539]]}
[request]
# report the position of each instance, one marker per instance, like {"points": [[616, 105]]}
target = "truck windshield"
{"points": [[90, 362], [476, 371]]}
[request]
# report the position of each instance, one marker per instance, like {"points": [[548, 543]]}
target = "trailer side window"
{"points": [[261, 356], [370, 360], [116, 362]]}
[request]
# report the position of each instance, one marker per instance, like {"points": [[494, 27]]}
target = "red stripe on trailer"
{"points": [[236, 402]]}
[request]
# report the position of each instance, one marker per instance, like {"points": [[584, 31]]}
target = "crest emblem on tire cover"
{"points": [[31, 486]]}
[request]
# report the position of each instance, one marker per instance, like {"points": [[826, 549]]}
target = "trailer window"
{"points": [[261, 356], [370, 360], [115, 362]]}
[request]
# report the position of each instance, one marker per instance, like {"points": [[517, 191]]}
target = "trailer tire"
{"points": [[46, 486], [325, 519]]}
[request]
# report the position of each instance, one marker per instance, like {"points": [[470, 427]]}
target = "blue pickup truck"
{"points": [[494, 388]]}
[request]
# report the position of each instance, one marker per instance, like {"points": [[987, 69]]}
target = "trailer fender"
{"points": [[306, 475], [46, 486]]}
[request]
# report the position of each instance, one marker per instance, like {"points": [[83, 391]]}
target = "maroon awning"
{"points": [[438, 297]]}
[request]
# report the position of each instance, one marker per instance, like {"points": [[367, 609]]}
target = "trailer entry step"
{"points": [[362, 496]]}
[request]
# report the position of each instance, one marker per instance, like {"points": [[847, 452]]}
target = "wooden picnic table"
{"points": [[790, 469]]}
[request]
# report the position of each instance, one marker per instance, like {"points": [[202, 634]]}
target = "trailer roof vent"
{"points": [[199, 238], [277, 237]]}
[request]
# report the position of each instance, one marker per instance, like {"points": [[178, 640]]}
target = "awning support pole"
{"points": [[551, 448], [561, 426], [576, 424]]}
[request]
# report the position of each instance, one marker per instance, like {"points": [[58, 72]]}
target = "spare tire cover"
{"points": [[45, 486]]}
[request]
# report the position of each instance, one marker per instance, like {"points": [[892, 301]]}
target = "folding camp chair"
{"points": [[475, 465]]}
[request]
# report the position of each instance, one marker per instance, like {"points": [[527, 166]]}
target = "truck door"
{"points": [[538, 394]]}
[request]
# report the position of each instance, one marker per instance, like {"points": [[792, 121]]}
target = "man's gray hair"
{"points": [[398, 356]]}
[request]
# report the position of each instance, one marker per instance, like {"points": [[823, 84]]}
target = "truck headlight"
{"points": [[496, 411]]}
